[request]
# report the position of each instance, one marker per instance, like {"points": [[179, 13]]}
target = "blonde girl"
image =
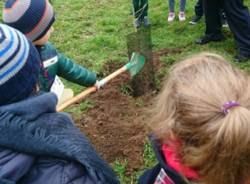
{"points": [[201, 124]]}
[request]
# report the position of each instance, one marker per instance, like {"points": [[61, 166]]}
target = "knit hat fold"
{"points": [[13, 56], [19, 65], [32, 17]]}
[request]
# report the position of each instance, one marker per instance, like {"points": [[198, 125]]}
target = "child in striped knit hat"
{"points": [[34, 18], [19, 66], [37, 144]]}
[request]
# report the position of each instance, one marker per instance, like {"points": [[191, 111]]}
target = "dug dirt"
{"points": [[116, 124]]}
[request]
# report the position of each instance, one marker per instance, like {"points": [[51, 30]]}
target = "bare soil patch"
{"points": [[116, 124]]}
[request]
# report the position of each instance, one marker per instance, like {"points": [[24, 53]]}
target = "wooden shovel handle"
{"points": [[90, 90], [76, 98]]}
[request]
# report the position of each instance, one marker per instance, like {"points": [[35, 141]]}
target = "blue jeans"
{"points": [[172, 3]]}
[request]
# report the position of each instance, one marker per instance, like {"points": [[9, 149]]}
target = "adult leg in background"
{"points": [[182, 5], [171, 4], [213, 22], [238, 18], [198, 8], [137, 13], [144, 7]]}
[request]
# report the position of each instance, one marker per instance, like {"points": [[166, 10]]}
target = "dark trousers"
{"points": [[140, 8], [198, 8], [238, 18]]}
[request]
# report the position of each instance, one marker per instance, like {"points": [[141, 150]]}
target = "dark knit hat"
{"points": [[32, 17], [19, 66]]}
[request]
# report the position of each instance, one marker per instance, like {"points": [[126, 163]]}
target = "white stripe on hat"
{"points": [[12, 38], [19, 60], [18, 9]]}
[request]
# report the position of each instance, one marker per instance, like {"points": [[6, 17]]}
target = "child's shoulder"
{"points": [[162, 170], [47, 51], [47, 48], [49, 45]]}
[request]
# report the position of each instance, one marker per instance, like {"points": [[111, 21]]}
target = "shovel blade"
{"points": [[135, 64]]}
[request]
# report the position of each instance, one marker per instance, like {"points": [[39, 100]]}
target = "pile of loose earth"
{"points": [[116, 124]]}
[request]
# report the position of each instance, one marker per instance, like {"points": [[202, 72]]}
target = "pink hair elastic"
{"points": [[229, 105]]}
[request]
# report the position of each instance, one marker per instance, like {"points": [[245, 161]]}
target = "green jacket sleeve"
{"points": [[73, 72]]}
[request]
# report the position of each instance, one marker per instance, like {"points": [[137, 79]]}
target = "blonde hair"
{"points": [[189, 108]]}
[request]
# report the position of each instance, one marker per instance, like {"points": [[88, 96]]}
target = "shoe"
{"points": [[146, 21], [224, 22], [182, 16], [195, 19], [171, 16], [137, 23], [240, 58], [223, 18], [206, 39]]}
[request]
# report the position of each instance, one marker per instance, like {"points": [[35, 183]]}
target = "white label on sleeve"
{"points": [[57, 87], [50, 62]]}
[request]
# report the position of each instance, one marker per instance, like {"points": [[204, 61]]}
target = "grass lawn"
{"points": [[94, 32]]}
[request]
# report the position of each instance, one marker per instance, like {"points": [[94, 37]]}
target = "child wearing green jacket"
{"points": [[34, 19]]}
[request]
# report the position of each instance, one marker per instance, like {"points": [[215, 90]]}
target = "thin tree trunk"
{"points": [[140, 42]]}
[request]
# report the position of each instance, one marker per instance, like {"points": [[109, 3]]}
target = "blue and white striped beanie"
{"points": [[19, 66], [32, 17]]}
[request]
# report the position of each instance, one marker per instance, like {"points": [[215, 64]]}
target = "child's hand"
{"points": [[98, 85]]}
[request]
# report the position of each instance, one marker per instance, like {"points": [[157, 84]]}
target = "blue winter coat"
{"points": [[150, 175], [41, 146]]}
